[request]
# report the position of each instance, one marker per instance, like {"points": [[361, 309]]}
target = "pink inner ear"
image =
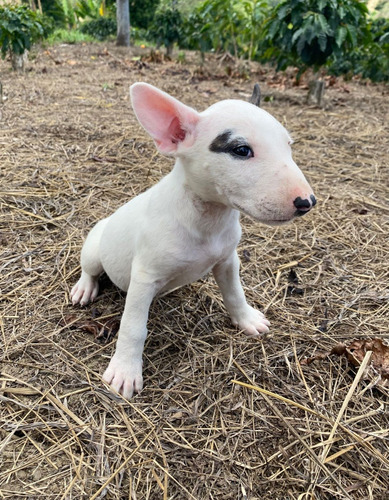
{"points": [[176, 132], [166, 119]]}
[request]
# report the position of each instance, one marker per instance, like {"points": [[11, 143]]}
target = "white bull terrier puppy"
{"points": [[233, 157]]}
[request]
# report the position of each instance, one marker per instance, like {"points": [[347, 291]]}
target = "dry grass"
{"points": [[221, 415]]}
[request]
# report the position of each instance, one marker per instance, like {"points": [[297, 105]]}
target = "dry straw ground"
{"points": [[71, 152]]}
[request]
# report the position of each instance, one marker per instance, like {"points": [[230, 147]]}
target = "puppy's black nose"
{"points": [[304, 205]]}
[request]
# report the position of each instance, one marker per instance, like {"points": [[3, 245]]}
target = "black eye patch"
{"points": [[235, 147]]}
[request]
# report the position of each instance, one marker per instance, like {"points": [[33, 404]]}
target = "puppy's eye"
{"points": [[243, 152]]}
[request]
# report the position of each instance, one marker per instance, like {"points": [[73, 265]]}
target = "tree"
{"points": [[307, 33], [226, 25], [166, 28], [20, 27], [142, 13], [123, 23]]}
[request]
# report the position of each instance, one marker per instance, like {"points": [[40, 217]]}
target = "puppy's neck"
{"points": [[199, 204], [189, 175]]}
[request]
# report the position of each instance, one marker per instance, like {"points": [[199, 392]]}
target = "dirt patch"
{"points": [[221, 415]]}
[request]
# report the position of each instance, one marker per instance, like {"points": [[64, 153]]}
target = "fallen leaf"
{"points": [[104, 331], [355, 352], [380, 354]]}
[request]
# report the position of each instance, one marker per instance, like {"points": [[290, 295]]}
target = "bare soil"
{"points": [[221, 415]]}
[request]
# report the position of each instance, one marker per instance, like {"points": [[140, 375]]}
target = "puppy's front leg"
{"points": [[247, 318], [124, 372]]}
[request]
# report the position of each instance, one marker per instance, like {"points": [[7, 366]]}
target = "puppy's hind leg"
{"points": [[87, 287]]}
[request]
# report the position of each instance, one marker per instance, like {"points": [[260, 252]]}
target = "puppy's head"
{"points": [[234, 153]]}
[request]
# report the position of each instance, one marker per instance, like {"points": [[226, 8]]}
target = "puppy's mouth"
{"points": [[269, 222], [275, 222]]}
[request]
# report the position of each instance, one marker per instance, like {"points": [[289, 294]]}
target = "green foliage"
{"points": [[374, 59], [62, 35], [69, 13], [138, 36], [370, 60], [306, 33], [250, 33], [167, 26], [20, 27], [197, 32], [226, 25], [54, 10], [142, 13], [92, 9], [336, 34], [100, 28]]}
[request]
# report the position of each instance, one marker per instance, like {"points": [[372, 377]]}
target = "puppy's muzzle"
{"points": [[304, 205]]}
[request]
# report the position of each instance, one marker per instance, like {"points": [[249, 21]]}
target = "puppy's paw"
{"points": [[85, 290], [251, 321], [124, 376]]}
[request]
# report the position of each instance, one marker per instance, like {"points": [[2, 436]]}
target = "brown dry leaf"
{"points": [[104, 331], [355, 352]]}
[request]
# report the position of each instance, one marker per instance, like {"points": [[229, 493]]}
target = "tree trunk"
{"points": [[316, 92], [19, 61], [169, 50], [123, 22]]}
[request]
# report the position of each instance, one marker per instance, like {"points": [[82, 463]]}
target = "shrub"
{"points": [[100, 28], [55, 10], [305, 33], [167, 25], [226, 25], [196, 32], [20, 27], [375, 57], [370, 60], [249, 38], [142, 13]]}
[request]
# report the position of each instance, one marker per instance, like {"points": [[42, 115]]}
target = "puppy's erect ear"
{"points": [[167, 120], [256, 96]]}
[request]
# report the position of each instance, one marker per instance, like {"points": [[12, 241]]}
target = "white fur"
{"points": [[188, 224]]}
